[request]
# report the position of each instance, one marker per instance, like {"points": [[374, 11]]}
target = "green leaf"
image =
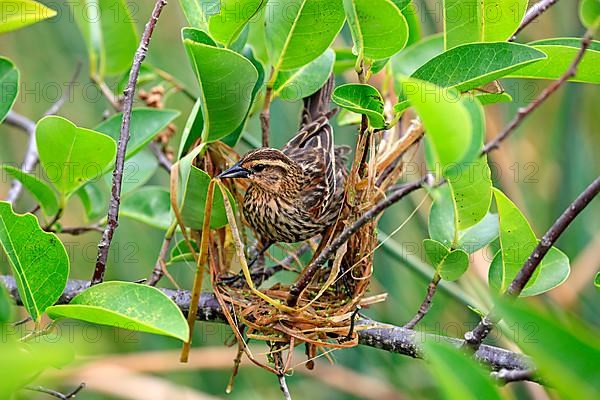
{"points": [[38, 259], [412, 57], [492, 98], [17, 14], [362, 99], [110, 35], [597, 280], [302, 82], [561, 52], [564, 351], [226, 80], [298, 31], [456, 374], [9, 82], [150, 205], [197, 12], [472, 65], [344, 60], [181, 252], [145, 124], [126, 305], [589, 12], [436, 106], [234, 137], [234, 15], [94, 198], [379, 30], [137, 170], [466, 21], [192, 131], [193, 191], [70, 155], [6, 306], [517, 242], [442, 225], [450, 264], [41, 191]]}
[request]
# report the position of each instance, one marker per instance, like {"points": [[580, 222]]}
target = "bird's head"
{"points": [[267, 168]]}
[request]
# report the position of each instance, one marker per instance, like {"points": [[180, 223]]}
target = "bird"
{"points": [[296, 192]]}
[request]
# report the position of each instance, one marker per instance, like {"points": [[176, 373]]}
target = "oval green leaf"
{"points": [[17, 14], [38, 259], [379, 30], [233, 16], [71, 156], [9, 82], [589, 12], [126, 305], [145, 124], [466, 21], [361, 99], [561, 52], [150, 205], [227, 81], [298, 31], [43, 193], [472, 65], [302, 82]]}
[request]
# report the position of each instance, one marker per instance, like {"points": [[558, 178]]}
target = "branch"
{"points": [[547, 92], [476, 336], [327, 253], [56, 394], [114, 204], [371, 333], [532, 14], [163, 161], [426, 304]]}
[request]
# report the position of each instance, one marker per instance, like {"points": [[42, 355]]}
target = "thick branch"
{"points": [[381, 336], [477, 335], [115, 201]]}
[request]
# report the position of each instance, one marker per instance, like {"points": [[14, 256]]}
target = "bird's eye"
{"points": [[259, 167]]}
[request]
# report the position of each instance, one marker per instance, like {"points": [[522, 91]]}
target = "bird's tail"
{"points": [[318, 104]]}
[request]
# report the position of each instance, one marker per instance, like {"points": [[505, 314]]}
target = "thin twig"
{"points": [[426, 304], [532, 14], [77, 230], [115, 201], [474, 337], [386, 337], [547, 92], [265, 116], [514, 375], [54, 108], [307, 274], [283, 386], [157, 271], [163, 161], [56, 394]]}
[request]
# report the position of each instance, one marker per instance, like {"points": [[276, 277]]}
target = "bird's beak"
{"points": [[236, 171]]}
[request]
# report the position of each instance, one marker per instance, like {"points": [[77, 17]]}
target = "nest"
{"points": [[323, 315]]}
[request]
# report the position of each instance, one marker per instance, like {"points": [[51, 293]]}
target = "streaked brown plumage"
{"points": [[295, 193]]}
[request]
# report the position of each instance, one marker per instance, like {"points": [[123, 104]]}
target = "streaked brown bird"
{"points": [[296, 193]]}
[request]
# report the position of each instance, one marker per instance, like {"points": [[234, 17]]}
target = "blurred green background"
{"points": [[542, 167]]}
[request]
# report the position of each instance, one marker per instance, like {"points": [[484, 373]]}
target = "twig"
{"points": [[426, 304], [532, 14], [30, 159], [547, 92], [283, 386], [304, 279], [390, 338], [114, 204], [108, 94], [514, 375], [56, 394], [265, 115], [163, 161], [474, 337], [157, 271], [54, 108], [77, 230]]}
